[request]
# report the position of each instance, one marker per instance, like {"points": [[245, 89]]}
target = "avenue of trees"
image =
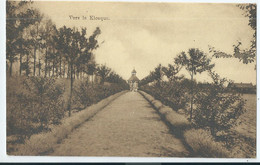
{"points": [[207, 105], [50, 70]]}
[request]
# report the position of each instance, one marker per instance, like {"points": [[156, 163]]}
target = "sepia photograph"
{"points": [[131, 79]]}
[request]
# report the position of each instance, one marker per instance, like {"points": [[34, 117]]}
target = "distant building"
{"points": [[133, 81], [242, 87]]}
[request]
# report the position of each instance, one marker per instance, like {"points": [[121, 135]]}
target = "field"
{"points": [[247, 127]]}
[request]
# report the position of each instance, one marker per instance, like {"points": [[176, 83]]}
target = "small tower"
{"points": [[133, 81], [134, 72]]}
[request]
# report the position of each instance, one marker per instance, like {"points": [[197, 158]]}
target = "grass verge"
{"points": [[198, 141], [42, 143]]}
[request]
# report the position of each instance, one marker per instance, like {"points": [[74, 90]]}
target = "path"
{"points": [[128, 126]]}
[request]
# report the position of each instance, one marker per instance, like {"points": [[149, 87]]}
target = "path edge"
{"points": [[181, 128], [43, 143]]}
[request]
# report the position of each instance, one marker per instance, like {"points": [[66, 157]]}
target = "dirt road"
{"points": [[128, 126]]}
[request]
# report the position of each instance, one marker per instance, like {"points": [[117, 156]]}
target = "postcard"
{"points": [[131, 79]]}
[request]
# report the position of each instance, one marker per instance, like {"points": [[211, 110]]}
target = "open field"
{"points": [[247, 127]]}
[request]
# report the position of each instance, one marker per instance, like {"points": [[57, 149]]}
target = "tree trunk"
{"points": [[74, 73], [68, 74], [191, 100], [213, 125], [11, 68], [39, 67], [53, 68], [71, 88], [60, 66], [34, 61], [20, 64], [77, 74], [27, 63], [46, 61], [53, 62], [49, 68], [64, 69]]}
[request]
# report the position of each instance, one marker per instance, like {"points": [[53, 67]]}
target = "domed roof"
{"points": [[134, 71]]}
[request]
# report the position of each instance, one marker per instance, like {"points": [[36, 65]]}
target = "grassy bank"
{"points": [[37, 105], [200, 141]]}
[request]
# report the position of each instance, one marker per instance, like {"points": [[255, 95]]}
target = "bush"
{"points": [[40, 144], [165, 109], [216, 109], [174, 93], [33, 104], [87, 94], [203, 144], [177, 120]]}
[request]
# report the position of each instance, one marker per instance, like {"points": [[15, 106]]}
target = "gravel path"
{"points": [[128, 126]]}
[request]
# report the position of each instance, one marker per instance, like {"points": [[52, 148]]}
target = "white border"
{"points": [[5, 158]]}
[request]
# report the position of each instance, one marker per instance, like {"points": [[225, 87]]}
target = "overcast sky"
{"points": [[142, 35]]}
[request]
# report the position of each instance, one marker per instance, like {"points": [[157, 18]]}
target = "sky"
{"points": [[141, 35]]}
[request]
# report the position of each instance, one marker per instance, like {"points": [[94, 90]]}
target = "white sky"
{"points": [[142, 35]]}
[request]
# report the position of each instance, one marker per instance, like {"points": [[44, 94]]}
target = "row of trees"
{"points": [[35, 42], [41, 49], [195, 61], [216, 108]]}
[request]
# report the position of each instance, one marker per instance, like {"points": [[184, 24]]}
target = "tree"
{"points": [[91, 68], [103, 71], [157, 75], [216, 108], [74, 44], [34, 37], [246, 55], [15, 26], [171, 71], [195, 62]]}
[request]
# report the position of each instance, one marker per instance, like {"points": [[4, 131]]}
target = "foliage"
{"points": [[77, 50], [103, 71], [15, 26], [216, 109], [87, 94], [174, 93], [203, 144], [154, 76], [171, 71], [44, 142], [157, 75], [33, 105], [246, 55], [196, 62]]}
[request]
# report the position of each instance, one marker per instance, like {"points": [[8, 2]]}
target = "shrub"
{"points": [[216, 109], [41, 143], [157, 104], [174, 93], [33, 104], [165, 109], [86, 94], [203, 144], [177, 120]]}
